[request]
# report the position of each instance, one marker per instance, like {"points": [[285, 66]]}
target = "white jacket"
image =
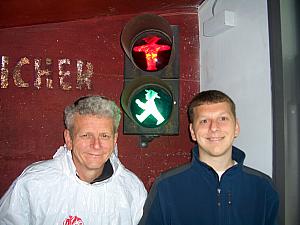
{"points": [[50, 193]]}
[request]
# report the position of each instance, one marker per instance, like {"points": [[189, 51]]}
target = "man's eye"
{"points": [[223, 118], [203, 121], [105, 136], [84, 135]]}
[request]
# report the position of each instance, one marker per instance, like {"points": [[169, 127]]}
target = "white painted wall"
{"points": [[237, 62]]}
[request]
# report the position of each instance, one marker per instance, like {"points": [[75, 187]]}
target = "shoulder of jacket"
{"points": [[126, 177], [255, 173], [40, 170], [174, 172], [259, 176]]}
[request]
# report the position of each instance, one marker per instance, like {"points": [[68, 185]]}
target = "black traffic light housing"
{"points": [[142, 77]]}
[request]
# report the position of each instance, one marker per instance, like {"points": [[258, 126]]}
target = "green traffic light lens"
{"points": [[151, 106]]}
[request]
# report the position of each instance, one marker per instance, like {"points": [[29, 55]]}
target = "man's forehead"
{"points": [[92, 119], [213, 104], [220, 108]]}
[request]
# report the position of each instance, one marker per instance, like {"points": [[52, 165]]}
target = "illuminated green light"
{"points": [[151, 106]]}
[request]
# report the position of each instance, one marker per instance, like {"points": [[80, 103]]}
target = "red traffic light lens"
{"points": [[151, 51]]}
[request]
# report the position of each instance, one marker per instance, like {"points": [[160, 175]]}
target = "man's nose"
{"points": [[96, 142], [214, 125]]}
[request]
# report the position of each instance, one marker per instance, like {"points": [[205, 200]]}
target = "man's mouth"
{"points": [[215, 138], [94, 155]]}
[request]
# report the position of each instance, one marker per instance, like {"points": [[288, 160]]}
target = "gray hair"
{"points": [[92, 105]]}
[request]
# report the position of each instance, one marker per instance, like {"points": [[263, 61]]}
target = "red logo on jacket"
{"points": [[73, 220]]}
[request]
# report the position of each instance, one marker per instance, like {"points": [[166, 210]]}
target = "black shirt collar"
{"points": [[106, 173]]}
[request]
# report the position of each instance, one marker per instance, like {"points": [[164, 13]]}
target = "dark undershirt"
{"points": [[106, 173]]}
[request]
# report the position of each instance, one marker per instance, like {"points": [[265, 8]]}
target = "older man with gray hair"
{"points": [[85, 182]]}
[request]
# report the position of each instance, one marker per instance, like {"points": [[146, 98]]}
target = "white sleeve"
{"points": [[14, 206], [137, 208]]}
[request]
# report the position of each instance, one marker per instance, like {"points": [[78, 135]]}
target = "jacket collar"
{"points": [[210, 174], [237, 155], [112, 165]]}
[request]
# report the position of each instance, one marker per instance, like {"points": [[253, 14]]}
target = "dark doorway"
{"points": [[285, 69]]}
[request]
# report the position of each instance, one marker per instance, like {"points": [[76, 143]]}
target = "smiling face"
{"points": [[91, 142], [214, 128]]}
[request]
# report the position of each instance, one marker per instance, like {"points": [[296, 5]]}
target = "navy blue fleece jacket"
{"points": [[193, 195]]}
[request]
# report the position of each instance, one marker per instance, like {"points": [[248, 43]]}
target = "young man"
{"points": [[215, 188], [84, 183]]}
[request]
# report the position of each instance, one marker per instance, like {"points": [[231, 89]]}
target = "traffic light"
{"points": [[150, 98]]}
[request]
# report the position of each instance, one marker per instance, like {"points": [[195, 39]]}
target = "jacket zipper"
{"points": [[219, 197], [229, 202], [219, 205]]}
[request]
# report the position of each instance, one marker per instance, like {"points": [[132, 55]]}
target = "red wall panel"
{"points": [[31, 119]]}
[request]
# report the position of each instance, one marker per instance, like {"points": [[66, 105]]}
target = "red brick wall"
{"points": [[31, 119]]}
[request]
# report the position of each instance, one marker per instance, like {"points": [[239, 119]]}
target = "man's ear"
{"points": [[68, 139], [115, 138], [193, 135], [237, 128]]}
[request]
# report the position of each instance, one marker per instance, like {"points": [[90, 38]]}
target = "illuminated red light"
{"points": [[152, 53]]}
